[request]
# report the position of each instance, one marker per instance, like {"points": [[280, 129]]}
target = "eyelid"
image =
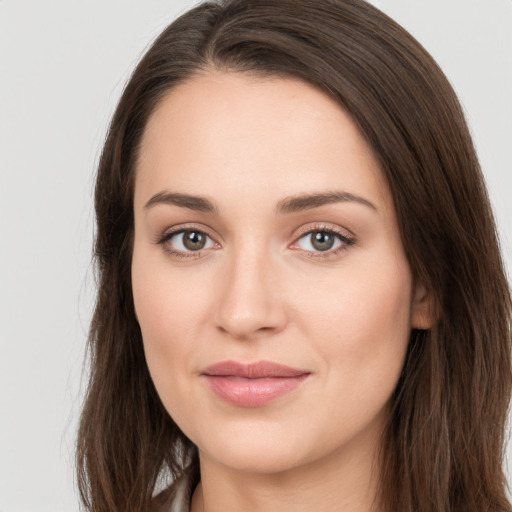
{"points": [[179, 228], [347, 238], [325, 226]]}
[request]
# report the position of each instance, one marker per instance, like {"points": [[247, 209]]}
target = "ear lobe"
{"points": [[423, 309]]}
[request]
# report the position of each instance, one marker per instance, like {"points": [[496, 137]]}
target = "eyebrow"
{"points": [[200, 204], [290, 204], [309, 201]]}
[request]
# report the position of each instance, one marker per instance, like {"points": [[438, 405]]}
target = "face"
{"points": [[270, 284]]}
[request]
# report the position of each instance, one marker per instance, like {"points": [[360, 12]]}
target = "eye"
{"points": [[320, 242], [179, 243], [323, 240]]}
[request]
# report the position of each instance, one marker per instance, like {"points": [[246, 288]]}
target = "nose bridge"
{"points": [[250, 300]]}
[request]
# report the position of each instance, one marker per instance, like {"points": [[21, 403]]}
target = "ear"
{"points": [[423, 309]]}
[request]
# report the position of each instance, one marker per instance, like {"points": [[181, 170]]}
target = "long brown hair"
{"points": [[443, 447]]}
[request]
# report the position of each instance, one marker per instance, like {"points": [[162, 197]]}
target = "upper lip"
{"points": [[256, 370]]}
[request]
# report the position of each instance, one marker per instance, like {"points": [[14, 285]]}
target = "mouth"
{"points": [[254, 384]]}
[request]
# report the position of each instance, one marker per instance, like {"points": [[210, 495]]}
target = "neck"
{"points": [[345, 480]]}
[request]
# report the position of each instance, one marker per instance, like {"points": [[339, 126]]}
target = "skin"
{"points": [[259, 290]]}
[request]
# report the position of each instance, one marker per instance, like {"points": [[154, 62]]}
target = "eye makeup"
{"points": [[190, 241]]}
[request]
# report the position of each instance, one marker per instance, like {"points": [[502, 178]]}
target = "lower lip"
{"points": [[245, 392]]}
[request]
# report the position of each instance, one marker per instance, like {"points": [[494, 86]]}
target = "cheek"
{"points": [[164, 311], [169, 314], [379, 304], [361, 322], [168, 303], [360, 325]]}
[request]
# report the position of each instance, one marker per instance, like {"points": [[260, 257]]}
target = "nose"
{"points": [[251, 303]]}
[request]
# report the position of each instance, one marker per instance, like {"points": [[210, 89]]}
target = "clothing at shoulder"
{"points": [[177, 498]]}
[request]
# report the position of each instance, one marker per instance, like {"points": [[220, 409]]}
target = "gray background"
{"points": [[62, 67]]}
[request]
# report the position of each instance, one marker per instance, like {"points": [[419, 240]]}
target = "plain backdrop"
{"points": [[63, 64]]}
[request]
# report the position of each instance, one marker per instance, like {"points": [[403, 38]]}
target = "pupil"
{"points": [[322, 241], [193, 240]]}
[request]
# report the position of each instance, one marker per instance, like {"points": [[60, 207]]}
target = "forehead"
{"points": [[229, 134]]}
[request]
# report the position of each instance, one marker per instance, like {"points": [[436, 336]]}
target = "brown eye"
{"points": [[319, 241], [194, 240], [190, 240], [322, 241]]}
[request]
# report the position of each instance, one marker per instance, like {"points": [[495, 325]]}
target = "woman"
{"points": [[301, 304]]}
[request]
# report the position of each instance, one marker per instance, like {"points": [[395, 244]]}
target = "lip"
{"points": [[253, 384]]}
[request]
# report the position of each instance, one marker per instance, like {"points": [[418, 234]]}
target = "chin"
{"points": [[259, 447], [262, 458]]}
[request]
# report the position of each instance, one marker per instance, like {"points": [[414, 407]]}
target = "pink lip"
{"points": [[254, 384]]}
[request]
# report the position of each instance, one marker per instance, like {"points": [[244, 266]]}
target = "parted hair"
{"points": [[442, 449]]}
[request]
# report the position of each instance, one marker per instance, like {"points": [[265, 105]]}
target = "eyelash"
{"points": [[346, 241]]}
